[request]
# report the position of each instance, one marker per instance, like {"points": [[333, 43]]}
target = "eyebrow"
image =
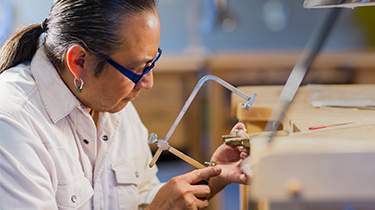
{"points": [[139, 63], [143, 61]]}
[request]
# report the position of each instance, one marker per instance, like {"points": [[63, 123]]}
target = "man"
{"points": [[70, 137]]}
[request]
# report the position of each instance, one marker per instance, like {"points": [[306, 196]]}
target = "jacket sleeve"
{"points": [[26, 169]]}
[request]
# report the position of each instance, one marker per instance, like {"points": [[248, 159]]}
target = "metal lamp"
{"points": [[337, 3]]}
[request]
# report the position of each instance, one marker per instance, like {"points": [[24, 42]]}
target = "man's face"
{"points": [[112, 91]]}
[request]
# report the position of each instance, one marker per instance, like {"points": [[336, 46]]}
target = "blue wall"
{"points": [[251, 32]]}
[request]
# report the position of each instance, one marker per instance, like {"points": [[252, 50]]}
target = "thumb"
{"points": [[239, 129], [239, 126], [202, 174]]}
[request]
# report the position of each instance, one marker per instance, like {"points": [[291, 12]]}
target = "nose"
{"points": [[147, 82]]}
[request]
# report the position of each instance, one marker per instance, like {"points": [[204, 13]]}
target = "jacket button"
{"points": [[74, 198], [86, 141], [105, 138], [136, 174]]}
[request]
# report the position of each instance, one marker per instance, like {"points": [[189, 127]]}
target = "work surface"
{"points": [[326, 168], [301, 115]]}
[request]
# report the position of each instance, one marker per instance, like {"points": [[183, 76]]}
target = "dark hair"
{"points": [[93, 24]]}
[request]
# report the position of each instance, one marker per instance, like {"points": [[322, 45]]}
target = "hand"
{"points": [[229, 159], [181, 192], [242, 133]]}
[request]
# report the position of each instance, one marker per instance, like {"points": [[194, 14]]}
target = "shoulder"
{"points": [[20, 109], [17, 87]]}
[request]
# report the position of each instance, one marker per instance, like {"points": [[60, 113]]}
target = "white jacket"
{"points": [[44, 162]]}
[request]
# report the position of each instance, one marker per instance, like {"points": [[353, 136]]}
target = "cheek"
{"points": [[125, 90], [112, 86], [110, 96], [120, 88], [114, 83]]}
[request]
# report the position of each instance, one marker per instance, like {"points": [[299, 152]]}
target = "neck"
{"points": [[95, 116]]}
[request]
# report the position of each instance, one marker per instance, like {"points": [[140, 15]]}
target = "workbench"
{"points": [[209, 116], [328, 168]]}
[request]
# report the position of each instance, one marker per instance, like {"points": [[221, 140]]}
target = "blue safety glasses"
{"points": [[136, 78]]}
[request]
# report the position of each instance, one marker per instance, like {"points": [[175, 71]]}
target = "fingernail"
{"points": [[244, 155], [217, 169]]}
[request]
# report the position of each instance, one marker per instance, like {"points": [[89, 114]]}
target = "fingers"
{"points": [[201, 191], [247, 170], [202, 174], [241, 175], [186, 194], [178, 194], [243, 179], [242, 133], [243, 149], [239, 126], [195, 201], [244, 152], [201, 204], [244, 155], [239, 129], [197, 197]]}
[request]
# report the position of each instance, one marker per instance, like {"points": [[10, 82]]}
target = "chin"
{"points": [[118, 107]]}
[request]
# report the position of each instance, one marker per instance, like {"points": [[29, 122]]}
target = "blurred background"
{"points": [[245, 42]]}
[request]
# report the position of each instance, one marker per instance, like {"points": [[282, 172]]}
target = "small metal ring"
{"points": [[211, 163]]}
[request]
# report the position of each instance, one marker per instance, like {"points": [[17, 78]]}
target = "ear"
{"points": [[76, 58]]}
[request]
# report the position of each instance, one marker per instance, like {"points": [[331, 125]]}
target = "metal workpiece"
{"points": [[238, 141]]}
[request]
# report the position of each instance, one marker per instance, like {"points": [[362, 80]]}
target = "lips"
{"points": [[129, 98]]}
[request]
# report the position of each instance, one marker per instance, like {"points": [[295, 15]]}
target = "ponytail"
{"points": [[21, 47]]}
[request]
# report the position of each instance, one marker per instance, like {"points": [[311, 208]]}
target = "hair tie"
{"points": [[44, 25]]}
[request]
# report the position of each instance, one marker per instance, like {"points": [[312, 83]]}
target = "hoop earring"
{"points": [[79, 88]]}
